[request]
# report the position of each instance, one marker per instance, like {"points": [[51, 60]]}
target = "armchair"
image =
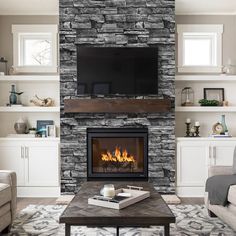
{"points": [[7, 199], [227, 213]]}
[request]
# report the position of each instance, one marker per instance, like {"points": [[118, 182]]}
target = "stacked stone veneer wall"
{"points": [[121, 23]]}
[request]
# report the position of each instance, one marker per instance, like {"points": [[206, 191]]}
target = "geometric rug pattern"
{"points": [[191, 220]]}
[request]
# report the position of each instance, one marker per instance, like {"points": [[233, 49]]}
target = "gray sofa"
{"points": [[7, 199], [228, 213]]}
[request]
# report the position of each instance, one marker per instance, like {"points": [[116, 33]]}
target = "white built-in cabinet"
{"points": [[35, 160], [207, 116], [36, 163], [195, 156]]}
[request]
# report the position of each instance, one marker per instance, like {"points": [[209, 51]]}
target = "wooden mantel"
{"points": [[117, 105]]}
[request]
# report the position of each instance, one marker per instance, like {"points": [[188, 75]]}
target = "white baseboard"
{"points": [[190, 191], [38, 192]]}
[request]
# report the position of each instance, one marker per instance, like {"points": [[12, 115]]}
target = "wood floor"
{"points": [[24, 202], [192, 201]]}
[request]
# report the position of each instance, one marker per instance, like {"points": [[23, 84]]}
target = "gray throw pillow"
{"points": [[234, 162]]}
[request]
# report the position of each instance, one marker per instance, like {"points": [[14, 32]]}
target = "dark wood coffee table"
{"points": [[149, 212]]}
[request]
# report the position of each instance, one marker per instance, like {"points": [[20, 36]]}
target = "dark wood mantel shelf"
{"points": [[117, 105]]}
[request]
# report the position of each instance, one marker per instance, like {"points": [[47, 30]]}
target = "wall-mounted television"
{"points": [[117, 70]]}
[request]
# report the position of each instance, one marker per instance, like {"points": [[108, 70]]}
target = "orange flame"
{"points": [[118, 156]]}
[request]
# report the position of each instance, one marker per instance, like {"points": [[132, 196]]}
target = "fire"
{"points": [[118, 156]]}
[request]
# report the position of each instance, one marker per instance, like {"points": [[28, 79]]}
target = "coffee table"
{"points": [[148, 212]]}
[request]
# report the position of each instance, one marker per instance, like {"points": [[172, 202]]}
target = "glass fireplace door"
{"points": [[117, 153]]}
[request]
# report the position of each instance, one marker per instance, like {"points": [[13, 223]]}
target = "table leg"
{"points": [[167, 230], [67, 229], [117, 231]]}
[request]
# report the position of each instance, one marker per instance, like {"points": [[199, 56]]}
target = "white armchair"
{"points": [[227, 213], [7, 199]]}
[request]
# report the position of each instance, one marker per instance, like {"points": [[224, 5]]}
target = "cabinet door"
{"points": [[42, 164], [12, 158], [222, 153], [192, 163]]}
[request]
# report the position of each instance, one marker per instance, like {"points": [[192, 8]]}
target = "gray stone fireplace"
{"points": [[117, 23]]}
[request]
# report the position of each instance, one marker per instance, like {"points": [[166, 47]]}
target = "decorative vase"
{"points": [[20, 126], [223, 123], [13, 96]]}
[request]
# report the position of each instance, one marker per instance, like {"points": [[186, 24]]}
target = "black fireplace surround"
{"points": [[117, 153]]}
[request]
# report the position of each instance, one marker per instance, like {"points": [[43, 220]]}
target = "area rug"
{"points": [[190, 220]]}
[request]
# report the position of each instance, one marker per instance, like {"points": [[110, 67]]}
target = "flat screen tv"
{"points": [[125, 71]]}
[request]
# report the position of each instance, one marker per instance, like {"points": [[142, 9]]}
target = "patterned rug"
{"points": [[190, 220]]}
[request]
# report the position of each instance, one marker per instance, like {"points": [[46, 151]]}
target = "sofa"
{"points": [[227, 213], [7, 199]]}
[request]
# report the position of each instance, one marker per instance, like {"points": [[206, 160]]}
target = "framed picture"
{"points": [[217, 94], [51, 131], [41, 126]]}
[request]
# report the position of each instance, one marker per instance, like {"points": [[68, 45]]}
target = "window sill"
{"points": [[200, 69], [36, 69]]}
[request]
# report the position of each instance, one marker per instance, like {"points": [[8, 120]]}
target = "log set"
{"points": [[117, 105]]}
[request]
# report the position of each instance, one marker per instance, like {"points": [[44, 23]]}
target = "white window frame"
{"points": [[212, 32], [19, 31]]}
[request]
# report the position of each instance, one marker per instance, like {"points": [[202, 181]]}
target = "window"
{"points": [[35, 48], [200, 48]]}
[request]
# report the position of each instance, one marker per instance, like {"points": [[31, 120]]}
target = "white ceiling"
{"points": [[29, 7], [50, 7], [205, 7]]}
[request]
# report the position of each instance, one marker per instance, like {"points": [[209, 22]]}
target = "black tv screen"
{"points": [[125, 71]]}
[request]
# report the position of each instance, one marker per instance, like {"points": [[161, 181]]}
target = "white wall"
{"points": [[6, 37], [229, 52], [229, 35]]}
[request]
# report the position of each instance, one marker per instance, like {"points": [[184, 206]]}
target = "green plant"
{"points": [[206, 102]]}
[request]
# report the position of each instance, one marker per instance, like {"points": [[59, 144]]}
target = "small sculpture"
{"points": [[42, 102], [13, 95]]}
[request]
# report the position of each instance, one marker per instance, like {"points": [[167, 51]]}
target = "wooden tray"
{"points": [[137, 194]]}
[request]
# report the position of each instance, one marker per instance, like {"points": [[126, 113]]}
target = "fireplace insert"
{"points": [[117, 153]]}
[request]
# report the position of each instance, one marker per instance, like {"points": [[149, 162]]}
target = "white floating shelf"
{"points": [[30, 78], [30, 109], [205, 109], [205, 139], [30, 139], [205, 78]]}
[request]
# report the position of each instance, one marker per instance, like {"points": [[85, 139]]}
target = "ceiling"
{"points": [[50, 7], [29, 7], [205, 7]]}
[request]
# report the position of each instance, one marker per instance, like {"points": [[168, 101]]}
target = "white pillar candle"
{"points": [[197, 123], [109, 190], [188, 120]]}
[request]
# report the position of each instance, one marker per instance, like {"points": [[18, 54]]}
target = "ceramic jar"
{"points": [[20, 126]]}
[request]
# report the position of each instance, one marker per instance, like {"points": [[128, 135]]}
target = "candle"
{"points": [[197, 123], [109, 190], [188, 120]]}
